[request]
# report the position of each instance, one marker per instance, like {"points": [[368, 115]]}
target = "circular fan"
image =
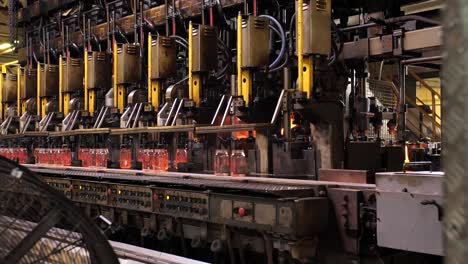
{"points": [[39, 225]]}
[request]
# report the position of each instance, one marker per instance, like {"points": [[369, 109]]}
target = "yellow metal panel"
{"points": [[300, 43], [114, 48], [244, 83], [38, 99], [66, 103], [91, 102], [155, 87], [60, 83], [5, 110], [18, 92], [196, 89], [190, 42], [239, 55], [308, 75], [1, 96], [150, 66], [86, 96], [43, 104], [120, 98], [246, 86]]}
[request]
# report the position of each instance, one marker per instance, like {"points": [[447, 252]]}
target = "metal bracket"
{"points": [[398, 42]]}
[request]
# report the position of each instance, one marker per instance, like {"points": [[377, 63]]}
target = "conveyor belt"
{"points": [[186, 181]]}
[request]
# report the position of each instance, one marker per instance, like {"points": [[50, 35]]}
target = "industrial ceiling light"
{"points": [[5, 51], [5, 45]]}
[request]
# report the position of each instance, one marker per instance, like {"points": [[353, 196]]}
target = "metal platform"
{"points": [[266, 186]]}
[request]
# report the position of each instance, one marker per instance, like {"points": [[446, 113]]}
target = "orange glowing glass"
{"points": [[125, 158]]}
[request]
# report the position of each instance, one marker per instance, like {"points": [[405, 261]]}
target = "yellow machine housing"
{"points": [[10, 89], [49, 80], [204, 48], [316, 27], [163, 59], [128, 64], [28, 83], [73, 71], [98, 70], [255, 42]]}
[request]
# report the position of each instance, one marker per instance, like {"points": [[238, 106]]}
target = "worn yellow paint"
{"points": [[121, 98], [307, 75], [66, 103], [18, 91], [38, 98], [239, 55], [60, 83], [114, 53], [91, 102], [85, 86], [43, 104], [1, 96], [300, 44], [190, 42]]}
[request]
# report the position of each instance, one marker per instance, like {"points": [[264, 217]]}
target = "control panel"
{"points": [[291, 216], [89, 192], [186, 204], [62, 185], [131, 197]]}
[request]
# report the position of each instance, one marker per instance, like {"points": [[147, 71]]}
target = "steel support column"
{"points": [[455, 129]]}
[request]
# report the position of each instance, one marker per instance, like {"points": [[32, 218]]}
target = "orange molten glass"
{"points": [[125, 158]]}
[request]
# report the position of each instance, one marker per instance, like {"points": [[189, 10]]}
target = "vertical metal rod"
{"points": [[300, 44], [135, 23], [217, 109], [402, 116], [173, 18], [278, 107], [109, 46], [167, 19], [226, 111], [202, 2]]}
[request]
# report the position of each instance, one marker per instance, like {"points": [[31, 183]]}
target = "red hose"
{"points": [[211, 16], [255, 7]]}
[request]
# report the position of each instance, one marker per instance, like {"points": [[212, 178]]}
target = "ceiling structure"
{"points": [[6, 53]]}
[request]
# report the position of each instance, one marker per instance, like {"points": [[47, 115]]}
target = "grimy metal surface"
{"points": [[455, 129], [279, 187]]}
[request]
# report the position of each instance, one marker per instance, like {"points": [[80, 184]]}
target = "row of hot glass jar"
{"points": [[53, 156], [152, 159], [234, 164], [16, 154]]}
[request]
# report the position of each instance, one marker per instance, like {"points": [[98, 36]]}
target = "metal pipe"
{"points": [[217, 109], [131, 116], [202, 2], [103, 117], [135, 23], [402, 110], [75, 116], [173, 18], [177, 112], [170, 112], [137, 116], [278, 107], [421, 60], [167, 20], [163, 108], [98, 117], [391, 21], [226, 111]]}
